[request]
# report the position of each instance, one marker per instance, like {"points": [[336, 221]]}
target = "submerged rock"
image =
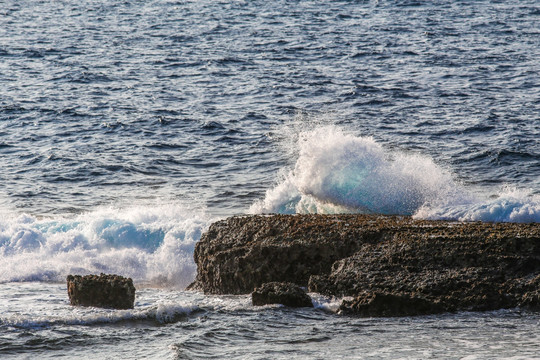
{"points": [[390, 265], [281, 293], [107, 291]]}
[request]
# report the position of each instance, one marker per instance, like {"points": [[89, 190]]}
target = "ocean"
{"points": [[128, 127]]}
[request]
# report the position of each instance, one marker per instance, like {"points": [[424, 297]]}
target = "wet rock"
{"points": [[287, 294], [459, 266], [531, 296], [107, 291], [389, 264], [239, 254], [385, 304]]}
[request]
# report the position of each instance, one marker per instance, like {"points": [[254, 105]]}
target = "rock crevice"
{"points": [[419, 266]]}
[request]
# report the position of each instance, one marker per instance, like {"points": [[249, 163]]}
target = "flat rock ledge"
{"points": [[389, 265], [287, 294], [106, 291]]}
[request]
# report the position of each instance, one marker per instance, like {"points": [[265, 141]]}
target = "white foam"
{"points": [[336, 172], [339, 172], [326, 303], [161, 313], [510, 205], [150, 244]]}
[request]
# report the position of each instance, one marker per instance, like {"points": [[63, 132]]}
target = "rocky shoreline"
{"points": [[389, 265]]}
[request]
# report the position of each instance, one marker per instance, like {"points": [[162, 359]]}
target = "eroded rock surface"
{"points": [[238, 254], [107, 291], [470, 266], [377, 304], [287, 294], [389, 265]]}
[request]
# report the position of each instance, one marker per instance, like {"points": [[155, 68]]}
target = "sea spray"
{"points": [[337, 172], [150, 244], [509, 205]]}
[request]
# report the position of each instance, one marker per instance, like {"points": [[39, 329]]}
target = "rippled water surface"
{"points": [[127, 127], [121, 101], [179, 325]]}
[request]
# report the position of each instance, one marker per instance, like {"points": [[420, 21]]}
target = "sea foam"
{"points": [[160, 313], [150, 244], [337, 172]]}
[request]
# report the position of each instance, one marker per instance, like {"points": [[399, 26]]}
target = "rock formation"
{"points": [[107, 291], [287, 294], [465, 266], [389, 265], [241, 253], [371, 304]]}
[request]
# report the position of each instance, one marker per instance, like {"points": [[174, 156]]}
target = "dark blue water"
{"points": [[127, 127], [114, 102]]}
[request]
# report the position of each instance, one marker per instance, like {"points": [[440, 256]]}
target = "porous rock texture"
{"points": [[452, 266], [106, 291], [287, 294], [238, 254], [377, 304], [389, 265]]}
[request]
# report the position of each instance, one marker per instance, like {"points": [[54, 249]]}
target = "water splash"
{"points": [[336, 172], [160, 313], [509, 205], [150, 244]]}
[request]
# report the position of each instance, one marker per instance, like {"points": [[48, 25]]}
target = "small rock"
{"points": [[107, 291], [384, 304], [287, 294]]}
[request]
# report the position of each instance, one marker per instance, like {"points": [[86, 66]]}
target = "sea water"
{"points": [[128, 127]]}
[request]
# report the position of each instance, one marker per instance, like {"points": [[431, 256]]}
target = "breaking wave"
{"points": [[336, 172], [150, 244], [160, 313]]}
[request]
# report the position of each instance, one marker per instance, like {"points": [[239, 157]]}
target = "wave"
{"points": [[333, 172], [149, 244], [160, 313], [509, 205], [336, 172]]}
